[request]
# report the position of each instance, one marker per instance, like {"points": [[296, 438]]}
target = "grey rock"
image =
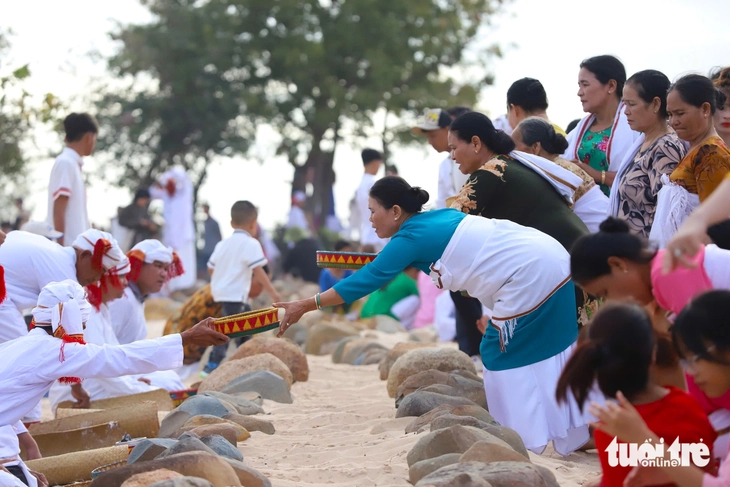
{"points": [[202, 404], [242, 406], [340, 348], [420, 469], [423, 422], [371, 357], [297, 333], [187, 445], [266, 383], [183, 482], [448, 420], [386, 324], [456, 439], [351, 354], [222, 447], [486, 452], [421, 402], [149, 449], [496, 474], [172, 423], [251, 423]]}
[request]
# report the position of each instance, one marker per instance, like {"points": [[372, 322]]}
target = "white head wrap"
{"points": [[154, 251], [104, 247], [62, 305]]}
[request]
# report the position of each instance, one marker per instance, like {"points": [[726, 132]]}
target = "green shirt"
{"points": [[381, 301], [592, 151]]}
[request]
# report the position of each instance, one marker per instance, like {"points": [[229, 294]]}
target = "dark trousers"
{"points": [[16, 471], [219, 351], [468, 312]]}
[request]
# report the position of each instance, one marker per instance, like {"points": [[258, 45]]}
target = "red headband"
{"points": [[137, 260], [3, 291], [101, 247]]}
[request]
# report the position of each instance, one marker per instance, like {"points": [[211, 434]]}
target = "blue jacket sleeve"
{"points": [[398, 254]]}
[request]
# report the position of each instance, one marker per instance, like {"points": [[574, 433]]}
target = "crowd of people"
{"points": [[585, 266], [586, 269]]}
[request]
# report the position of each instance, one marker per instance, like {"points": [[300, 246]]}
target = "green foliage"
{"points": [[200, 78], [19, 116]]}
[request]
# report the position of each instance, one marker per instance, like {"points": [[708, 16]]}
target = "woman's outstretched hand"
{"points": [[293, 311]]}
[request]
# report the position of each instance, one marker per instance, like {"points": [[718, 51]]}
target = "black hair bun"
{"points": [[614, 225], [421, 195]]}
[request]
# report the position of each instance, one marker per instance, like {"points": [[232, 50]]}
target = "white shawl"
{"points": [[564, 181], [509, 268], [621, 140], [613, 202]]}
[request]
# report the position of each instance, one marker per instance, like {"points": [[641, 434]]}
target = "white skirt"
{"points": [[524, 399]]}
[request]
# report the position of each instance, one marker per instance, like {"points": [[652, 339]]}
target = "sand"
{"points": [[341, 430]]}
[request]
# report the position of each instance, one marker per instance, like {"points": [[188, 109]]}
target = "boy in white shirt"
{"points": [[66, 191], [235, 262]]}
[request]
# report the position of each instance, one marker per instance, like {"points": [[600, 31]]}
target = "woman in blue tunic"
{"points": [[519, 273]]}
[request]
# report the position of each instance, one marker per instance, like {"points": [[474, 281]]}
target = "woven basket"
{"points": [[77, 466], [159, 396], [343, 260], [66, 412], [249, 323]]}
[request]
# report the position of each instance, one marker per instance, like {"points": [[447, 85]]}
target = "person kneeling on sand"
{"points": [[55, 350]]}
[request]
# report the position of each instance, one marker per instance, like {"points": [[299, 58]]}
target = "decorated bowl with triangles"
{"points": [[343, 260], [248, 323], [179, 396]]}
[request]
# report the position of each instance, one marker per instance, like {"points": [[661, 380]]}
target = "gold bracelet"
{"points": [[603, 177]]}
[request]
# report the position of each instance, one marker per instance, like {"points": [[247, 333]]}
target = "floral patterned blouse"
{"points": [[592, 151], [703, 169], [641, 181]]}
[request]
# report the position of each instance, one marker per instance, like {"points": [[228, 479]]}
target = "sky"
{"points": [[542, 39]]}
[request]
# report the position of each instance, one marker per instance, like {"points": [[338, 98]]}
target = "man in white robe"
{"points": [[55, 350], [32, 261], [372, 161], [153, 264], [176, 192], [99, 331]]}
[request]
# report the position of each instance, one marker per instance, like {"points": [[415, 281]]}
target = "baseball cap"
{"points": [[433, 119], [41, 228]]}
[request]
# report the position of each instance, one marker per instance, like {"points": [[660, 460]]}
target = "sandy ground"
{"points": [[341, 430]]}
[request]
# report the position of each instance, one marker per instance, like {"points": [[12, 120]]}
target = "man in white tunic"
{"points": [[99, 331], [55, 350], [152, 265], [67, 211], [176, 192], [372, 160], [435, 126], [31, 261]]}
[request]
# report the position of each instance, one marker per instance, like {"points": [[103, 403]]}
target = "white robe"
{"points": [[450, 181], [179, 231], [99, 331], [32, 364], [127, 318], [30, 262]]}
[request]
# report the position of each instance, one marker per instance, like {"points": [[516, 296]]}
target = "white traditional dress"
{"points": [[179, 232], [523, 276], [32, 364], [67, 179], [31, 262], [99, 331]]}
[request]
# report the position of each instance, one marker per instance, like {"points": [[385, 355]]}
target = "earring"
{"points": [[656, 111], [476, 151], [626, 271], [395, 219]]}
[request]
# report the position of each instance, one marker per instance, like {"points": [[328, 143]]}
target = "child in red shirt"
{"points": [[617, 351]]}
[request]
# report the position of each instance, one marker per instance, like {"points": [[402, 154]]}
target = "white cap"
{"points": [[41, 228]]}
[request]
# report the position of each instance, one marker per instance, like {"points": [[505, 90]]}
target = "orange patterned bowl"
{"points": [[249, 323], [179, 396], [343, 260]]}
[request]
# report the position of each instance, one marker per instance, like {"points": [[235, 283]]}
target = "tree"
{"points": [[317, 71], [19, 116]]}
